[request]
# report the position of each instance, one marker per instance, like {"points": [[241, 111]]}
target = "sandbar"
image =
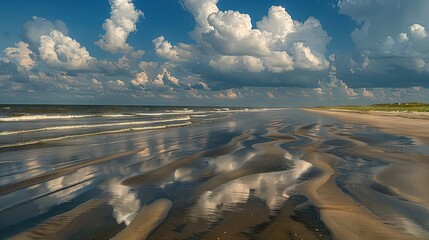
{"points": [[146, 221]]}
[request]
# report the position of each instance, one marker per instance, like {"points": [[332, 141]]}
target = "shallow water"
{"points": [[227, 169]]}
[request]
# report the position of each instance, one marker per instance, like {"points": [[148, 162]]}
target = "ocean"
{"points": [[22, 125]]}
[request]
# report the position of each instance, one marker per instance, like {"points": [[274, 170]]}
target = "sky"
{"points": [[214, 52]]}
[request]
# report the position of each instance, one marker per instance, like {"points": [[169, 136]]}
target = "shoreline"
{"points": [[392, 123]]}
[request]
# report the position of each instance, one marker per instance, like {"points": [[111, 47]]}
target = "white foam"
{"points": [[71, 127], [182, 111], [116, 115], [187, 123], [178, 112], [227, 110], [42, 117], [59, 117]]}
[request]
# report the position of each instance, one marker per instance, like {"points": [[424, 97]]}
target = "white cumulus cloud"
{"points": [[39, 26], [22, 54], [228, 41], [155, 77], [123, 19], [390, 35], [232, 34], [61, 51], [140, 79], [228, 94], [201, 10], [237, 63], [117, 85], [165, 49], [49, 41], [418, 30]]}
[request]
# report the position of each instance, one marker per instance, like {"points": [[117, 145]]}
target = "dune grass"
{"points": [[389, 107]]}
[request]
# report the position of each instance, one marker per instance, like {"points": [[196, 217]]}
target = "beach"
{"points": [[404, 177], [213, 173], [407, 123]]}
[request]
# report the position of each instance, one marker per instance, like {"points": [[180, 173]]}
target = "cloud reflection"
{"points": [[273, 188], [124, 201]]}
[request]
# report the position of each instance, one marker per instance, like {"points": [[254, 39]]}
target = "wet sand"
{"points": [[8, 188], [407, 173], [249, 219], [146, 221], [91, 220], [404, 177], [345, 218], [296, 175], [166, 171]]}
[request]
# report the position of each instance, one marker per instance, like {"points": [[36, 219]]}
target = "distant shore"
{"points": [[414, 124]]}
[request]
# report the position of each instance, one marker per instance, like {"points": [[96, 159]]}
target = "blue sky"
{"points": [[214, 52]]}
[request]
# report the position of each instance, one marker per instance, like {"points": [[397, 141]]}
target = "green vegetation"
{"points": [[401, 107]]}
